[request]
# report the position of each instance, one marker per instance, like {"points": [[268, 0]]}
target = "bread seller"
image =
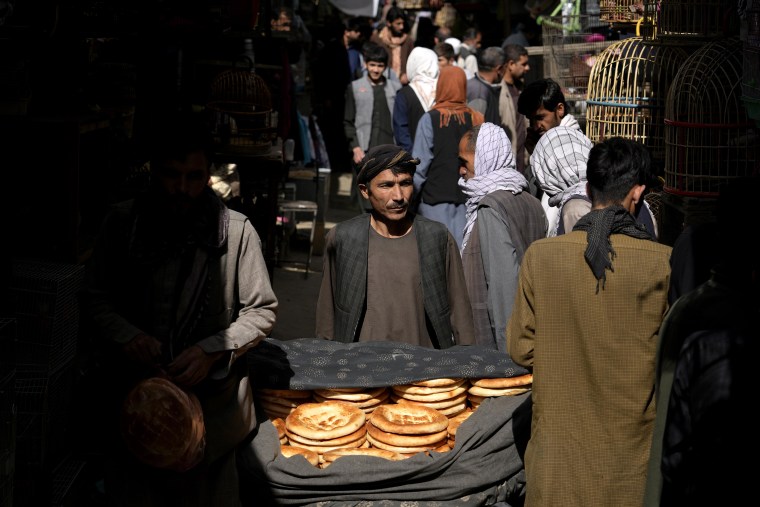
{"points": [[390, 275], [178, 287]]}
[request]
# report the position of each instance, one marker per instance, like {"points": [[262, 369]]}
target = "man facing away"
{"points": [[390, 275], [502, 220], [178, 288], [484, 87], [585, 321]]}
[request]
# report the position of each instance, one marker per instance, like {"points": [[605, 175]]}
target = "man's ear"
{"points": [[638, 193], [560, 110], [364, 190]]}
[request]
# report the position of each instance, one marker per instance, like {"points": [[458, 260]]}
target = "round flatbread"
{"points": [[279, 424], [311, 456], [402, 449], [326, 420], [507, 391], [275, 411], [500, 383], [366, 451], [408, 419], [294, 437], [455, 410], [437, 382], [321, 449], [416, 389], [363, 395], [383, 395], [457, 420], [432, 404], [405, 440], [440, 396]]}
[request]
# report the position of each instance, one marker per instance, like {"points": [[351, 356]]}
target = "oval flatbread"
{"points": [[416, 389], [437, 382], [403, 449], [432, 404], [311, 456], [405, 440], [322, 421], [440, 396], [294, 437], [500, 383], [321, 449], [279, 425], [457, 420], [363, 395], [507, 391], [366, 451], [408, 419]]}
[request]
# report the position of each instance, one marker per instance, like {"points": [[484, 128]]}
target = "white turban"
{"points": [[422, 70]]}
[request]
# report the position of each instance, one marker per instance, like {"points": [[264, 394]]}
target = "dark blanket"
{"points": [[484, 468], [310, 363]]}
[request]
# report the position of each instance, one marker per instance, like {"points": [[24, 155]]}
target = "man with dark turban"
{"points": [[390, 275], [586, 321]]}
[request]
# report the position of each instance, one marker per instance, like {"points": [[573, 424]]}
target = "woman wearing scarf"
{"points": [[417, 98], [436, 144], [502, 220]]}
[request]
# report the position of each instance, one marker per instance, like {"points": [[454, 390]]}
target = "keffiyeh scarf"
{"points": [[494, 170], [559, 164], [599, 225]]}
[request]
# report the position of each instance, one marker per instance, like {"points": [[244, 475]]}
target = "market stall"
{"points": [[483, 468]]}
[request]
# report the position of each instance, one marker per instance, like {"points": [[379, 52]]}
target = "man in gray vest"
{"points": [[390, 275]]}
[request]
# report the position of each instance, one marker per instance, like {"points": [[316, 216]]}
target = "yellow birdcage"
{"points": [[620, 11], [689, 21], [627, 89], [709, 137]]}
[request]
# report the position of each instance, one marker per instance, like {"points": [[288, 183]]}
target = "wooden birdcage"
{"points": [[240, 110], [709, 138], [620, 11], [571, 45], [689, 21], [627, 90]]}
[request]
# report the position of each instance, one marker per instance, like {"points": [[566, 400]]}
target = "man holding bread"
{"points": [[390, 275], [585, 322]]}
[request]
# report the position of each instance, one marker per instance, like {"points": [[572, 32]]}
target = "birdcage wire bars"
{"points": [[620, 11], [751, 63], [689, 21], [709, 138], [627, 89]]}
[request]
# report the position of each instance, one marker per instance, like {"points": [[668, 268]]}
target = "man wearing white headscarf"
{"points": [[559, 165], [503, 218], [415, 99]]}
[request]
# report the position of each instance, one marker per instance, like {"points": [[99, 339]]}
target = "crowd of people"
{"points": [[491, 220]]}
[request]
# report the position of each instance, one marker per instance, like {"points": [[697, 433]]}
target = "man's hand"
{"points": [[358, 155], [192, 366], [144, 349]]}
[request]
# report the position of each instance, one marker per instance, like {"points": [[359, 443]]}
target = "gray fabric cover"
{"points": [[484, 468]]}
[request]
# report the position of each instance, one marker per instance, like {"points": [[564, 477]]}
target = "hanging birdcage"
{"points": [[620, 11], [709, 138], [572, 43], [751, 65], [240, 110], [689, 21], [627, 90]]}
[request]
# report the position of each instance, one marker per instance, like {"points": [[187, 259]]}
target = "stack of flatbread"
{"points": [[366, 399], [325, 426], [290, 451], [279, 425], [446, 395], [279, 403], [408, 429], [483, 388]]}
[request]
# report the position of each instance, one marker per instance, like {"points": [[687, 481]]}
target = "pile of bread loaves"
{"points": [[389, 422]]}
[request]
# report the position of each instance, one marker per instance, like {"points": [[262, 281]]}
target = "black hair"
{"points": [[490, 58], [470, 33], [374, 52], [444, 49], [443, 33], [513, 52], [614, 166], [472, 137], [395, 13], [544, 92]]}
